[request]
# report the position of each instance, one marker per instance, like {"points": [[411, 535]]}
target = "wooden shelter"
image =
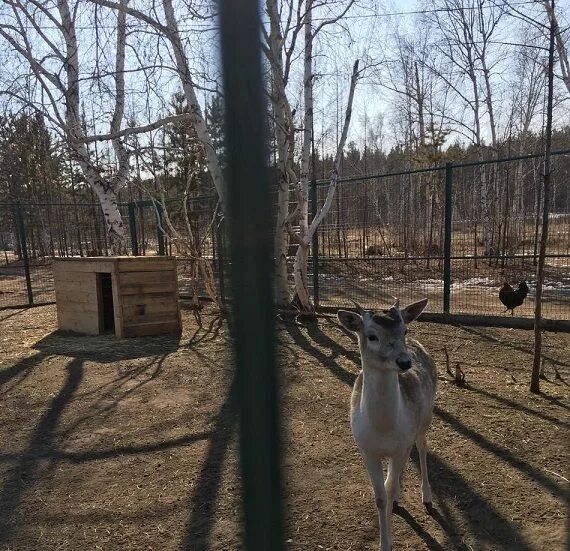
{"points": [[130, 296]]}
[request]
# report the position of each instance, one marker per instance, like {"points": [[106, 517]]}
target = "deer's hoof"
{"points": [[429, 506], [395, 505]]}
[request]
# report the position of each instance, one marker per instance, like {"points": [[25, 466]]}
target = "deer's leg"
{"points": [[421, 444], [376, 474], [394, 478]]}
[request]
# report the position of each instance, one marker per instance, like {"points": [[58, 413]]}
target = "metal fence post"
{"points": [[251, 255], [447, 238], [159, 234], [24, 251], [315, 243], [133, 229]]}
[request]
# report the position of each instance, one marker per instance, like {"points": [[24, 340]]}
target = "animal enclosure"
{"points": [[120, 444], [384, 236], [127, 296]]}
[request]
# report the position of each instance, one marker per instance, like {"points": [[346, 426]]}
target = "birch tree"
{"points": [[307, 228], [279, 57], [289, 21], [169, 29], [561, 48], [54, 74], [52, 60]]}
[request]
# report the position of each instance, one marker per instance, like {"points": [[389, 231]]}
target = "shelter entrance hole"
{"points": [[106, 310]]}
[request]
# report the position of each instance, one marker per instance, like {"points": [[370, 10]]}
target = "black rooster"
{"points": [[511, 298]]}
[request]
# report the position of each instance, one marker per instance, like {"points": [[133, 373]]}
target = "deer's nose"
{"points": [[404, 363]]}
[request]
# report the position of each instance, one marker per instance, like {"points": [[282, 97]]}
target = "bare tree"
{"points": [[535, 379], [281, 41], [25, 35], [561, 48], [279, 55], [468, 28], [44, 38], [170, 30]]}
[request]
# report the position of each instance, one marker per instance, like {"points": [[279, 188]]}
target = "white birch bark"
{"points": [[561, 49], [196, 116], [301, 258], [300, 266], [285, 148], [105, 190]]}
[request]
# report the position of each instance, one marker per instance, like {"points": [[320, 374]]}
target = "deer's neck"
{"points": [[381, 396]]}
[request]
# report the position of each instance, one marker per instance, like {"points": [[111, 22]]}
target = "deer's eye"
{"points": [[372, 338]]}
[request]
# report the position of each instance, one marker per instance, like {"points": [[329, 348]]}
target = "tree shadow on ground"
{"points": [[106, 348], [503, 453], [484, 522], [480, 332], [116, 451], [17, 373], [29, 467], [4, 315], [209, 333], [516, 405], [317, 337], [202, 504]]}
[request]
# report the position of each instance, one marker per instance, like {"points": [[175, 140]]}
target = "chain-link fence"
{"points": [[455, 234], [385, 237]]}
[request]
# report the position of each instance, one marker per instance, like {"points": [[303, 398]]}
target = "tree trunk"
{"points": [[301, 256], [535, 379], [301, 278], [112, 216], [285, 147], [197, 119]]}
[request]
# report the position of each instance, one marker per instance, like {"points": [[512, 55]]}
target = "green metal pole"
{"points": [[251, 247], [159, 234], [447, 238], [24, 251], [133, 229]]}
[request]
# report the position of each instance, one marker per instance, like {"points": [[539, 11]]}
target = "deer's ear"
{"points": [[350, 320], [411, 312]]}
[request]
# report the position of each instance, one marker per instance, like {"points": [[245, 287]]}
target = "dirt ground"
{"points": [[131, 444]]}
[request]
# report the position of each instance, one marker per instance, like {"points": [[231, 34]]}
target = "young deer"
{"points": [[392, 401]]}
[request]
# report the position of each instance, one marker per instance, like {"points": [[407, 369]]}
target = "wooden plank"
{"points": [[67, 289], [79, 308], [76, 294], [92, 266], [117, 302], [146, 329], [66, 276], [150, 305], [149, 300], [161, 317], [131, 278], [87, 259], [162, 288], [135, 317], [79, 324], [151, 264]]}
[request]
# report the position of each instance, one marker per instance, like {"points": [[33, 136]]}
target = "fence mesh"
{"points": [[383, 237]]}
